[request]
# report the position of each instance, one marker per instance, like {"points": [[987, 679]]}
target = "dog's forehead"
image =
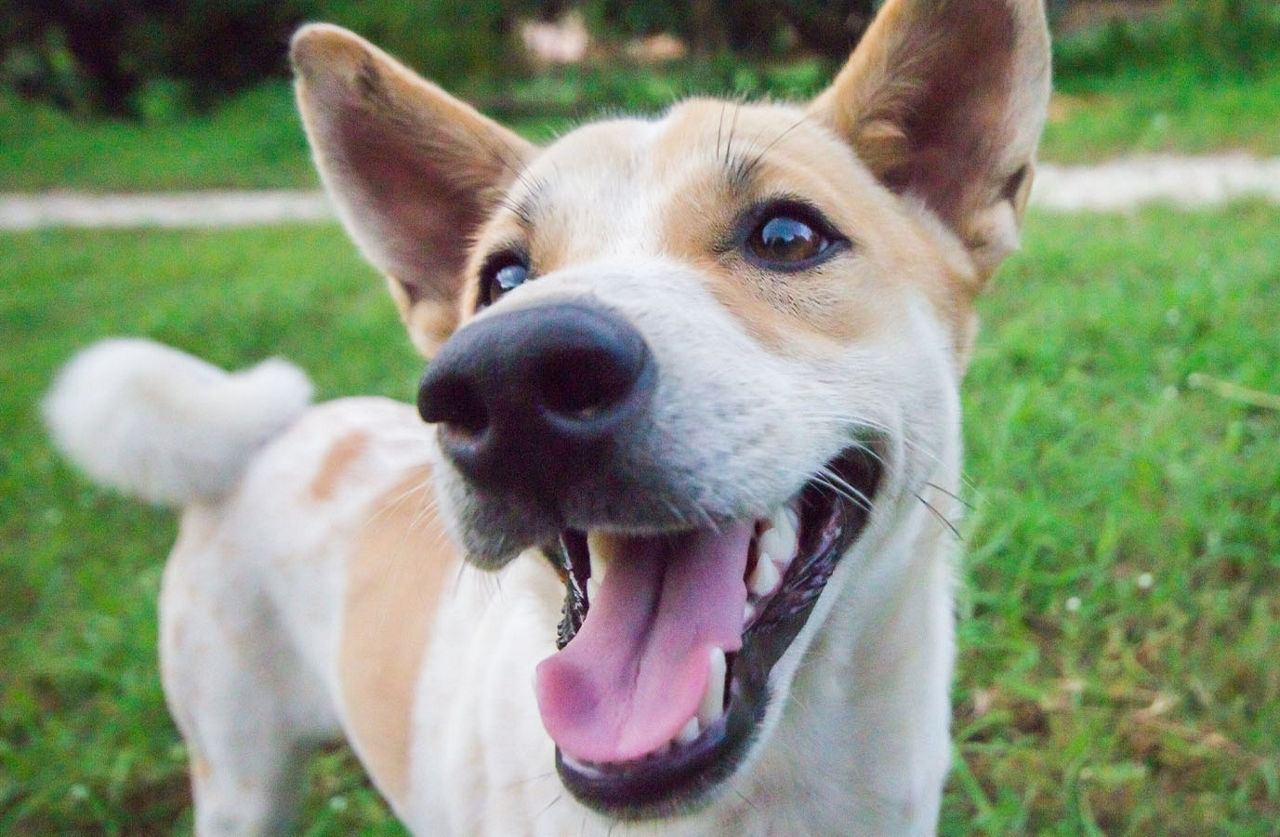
{"points": [[679, 188], [698, 149]]}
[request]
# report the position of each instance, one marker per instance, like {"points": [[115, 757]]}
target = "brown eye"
{"points": [[790, 235], [785, 239]]}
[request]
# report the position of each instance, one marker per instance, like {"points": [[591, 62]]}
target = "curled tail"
{"points": [[164, 426]]}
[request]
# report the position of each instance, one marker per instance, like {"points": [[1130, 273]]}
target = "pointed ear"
{"points": [[944, 101], [412, 171]]}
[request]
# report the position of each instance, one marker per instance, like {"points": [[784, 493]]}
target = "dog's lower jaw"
{"points": [[855, 743]]}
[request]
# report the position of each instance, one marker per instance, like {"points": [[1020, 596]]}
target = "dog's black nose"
{"points": [[531, 399]]}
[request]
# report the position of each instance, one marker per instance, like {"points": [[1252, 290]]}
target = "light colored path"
{"points": [[1182, 181], [1116, 185], [162, 209]]}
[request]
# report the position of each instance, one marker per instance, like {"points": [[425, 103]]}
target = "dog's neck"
{"points": [[868, 752]]}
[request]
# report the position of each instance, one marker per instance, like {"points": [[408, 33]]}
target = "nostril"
{"points": [[452, 400], [580, 383]]}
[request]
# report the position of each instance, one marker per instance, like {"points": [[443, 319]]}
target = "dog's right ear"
{"points": [[412, 170]]}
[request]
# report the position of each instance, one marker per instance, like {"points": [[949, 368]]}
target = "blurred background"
{"points": [[1120, 601], [1126, 70]]}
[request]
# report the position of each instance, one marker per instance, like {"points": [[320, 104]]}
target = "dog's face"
{"points": [[707, 363]]}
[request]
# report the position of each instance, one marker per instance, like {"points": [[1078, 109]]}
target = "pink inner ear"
{"points": [[407, 215], [414, 171], [944, 100], [959, 123]]}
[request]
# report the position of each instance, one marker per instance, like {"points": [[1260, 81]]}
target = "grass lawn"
{"points": [[1121, 611], [1162, 112]]}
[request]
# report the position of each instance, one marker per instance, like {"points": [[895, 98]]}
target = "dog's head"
{"points": [[715, 353]]}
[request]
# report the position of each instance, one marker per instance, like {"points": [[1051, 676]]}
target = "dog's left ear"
{"points": [[412, 170], [944, 101]]}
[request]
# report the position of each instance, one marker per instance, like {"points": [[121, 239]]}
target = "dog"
{"points": [[671, 552]]}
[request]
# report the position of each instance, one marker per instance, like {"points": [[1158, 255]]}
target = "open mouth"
{"points": [[668, 642]]}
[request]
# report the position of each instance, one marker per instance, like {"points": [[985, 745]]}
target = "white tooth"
{"points": [[779, 540], [712, 705], [593, 590], [765, 577], [748, 612], [690, 732], [600, 550]]}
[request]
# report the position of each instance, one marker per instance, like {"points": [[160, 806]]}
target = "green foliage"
{"points": [[449, 42], [1198, 76], [585, 91], [143, 58], [1210, 38], [97, 56], [1173, 110], [112, 56], [121, 57], [253, 140]]}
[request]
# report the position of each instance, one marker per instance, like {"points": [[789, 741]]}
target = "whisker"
{"points": [[733, 130], [545, 808], [724, 106], [951, 494], [940, 516], [839, 485], [755, 162]]}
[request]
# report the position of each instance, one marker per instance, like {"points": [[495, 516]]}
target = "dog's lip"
{"points": [[834, 507]]}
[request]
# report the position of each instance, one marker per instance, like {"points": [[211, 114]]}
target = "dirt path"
{"points": [[1117, 185], [1182, 181]]}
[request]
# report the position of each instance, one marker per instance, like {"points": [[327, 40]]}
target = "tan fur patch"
{"points": [[788, 156], [339, 460], [393, 583]]}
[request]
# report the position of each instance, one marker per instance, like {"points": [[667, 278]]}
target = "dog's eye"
{"points": [[789, 237], [500, 274], [786, 239]]}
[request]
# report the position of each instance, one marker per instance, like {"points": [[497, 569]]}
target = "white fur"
{"points": [[162, 425]]}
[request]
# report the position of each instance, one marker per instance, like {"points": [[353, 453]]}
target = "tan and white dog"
{"points": [[693, 420]]}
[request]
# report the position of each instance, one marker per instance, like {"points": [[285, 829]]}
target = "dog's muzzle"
{"points": [[663, 679]]}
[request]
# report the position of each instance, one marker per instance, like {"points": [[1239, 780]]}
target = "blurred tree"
{"points": [[831, 29], [114, 47], [104, 56], [448, 41], [752, 27], [100, 55]]}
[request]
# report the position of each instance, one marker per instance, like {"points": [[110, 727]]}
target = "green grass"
{"points": [[253, 141], [1168, 111], [1086, 702], [1089, 702]]}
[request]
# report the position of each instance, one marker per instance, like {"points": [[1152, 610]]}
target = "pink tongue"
{"points": [[635, 672]]}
